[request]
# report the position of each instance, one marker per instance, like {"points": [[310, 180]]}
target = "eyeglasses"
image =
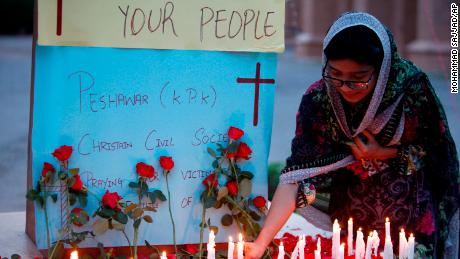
{"points": [[355, 85]]}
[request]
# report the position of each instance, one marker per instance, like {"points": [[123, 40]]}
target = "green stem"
{"points": [[136, 233], [129, 242], [136, 229], [170, 214], [203, 215], [46, 217]]}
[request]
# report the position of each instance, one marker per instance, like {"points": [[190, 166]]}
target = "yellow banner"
{"points": [[226, 25]]}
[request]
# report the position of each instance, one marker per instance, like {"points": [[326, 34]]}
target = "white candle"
{"points": [[387, 229], [388, 249], [281, 251], [317, 254], [295, 252], [335, 239], [376, 243], [302, 248], [163, 255], [402, 245], [74, 255], [211, 245], [410, 247], [350, 237], [240, 246], [342, 251], [318, 244], [360, 245], [231, 248], [369, 244]]}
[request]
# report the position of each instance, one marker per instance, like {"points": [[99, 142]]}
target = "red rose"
{"points": [[192, 249], [47, 167], [426, 223], [63, 153], [78, 184], [111, 199], [232, 188], [144, 170], [211, 180], [235, 133], [75, 213], [244, 151], [259, 202], [230, 154], [166, 162]]}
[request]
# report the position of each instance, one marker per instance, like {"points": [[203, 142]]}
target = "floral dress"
{"points": [[417, 191]]}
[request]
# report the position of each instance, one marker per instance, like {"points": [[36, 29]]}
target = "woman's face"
{"points": [[349, 70]]}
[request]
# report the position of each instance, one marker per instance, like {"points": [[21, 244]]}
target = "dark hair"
{"points": [[358, 43]]}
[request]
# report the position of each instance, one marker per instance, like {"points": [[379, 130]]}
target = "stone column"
{"points": [[317, 16], [431, 47]]}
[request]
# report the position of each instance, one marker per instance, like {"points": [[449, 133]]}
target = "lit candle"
{"points": [[402, 244], [318, 244], [342, 251], [211, 245], [376, 243], [388, 249], [240, 246], [335, 239], [360, 245], [281, 251], [231, 248], [74, 255], [387, 229], [369, 244], [302, 248], [410, 247], [350, 237], [163, 255]]}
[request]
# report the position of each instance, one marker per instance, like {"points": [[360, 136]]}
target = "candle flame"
{"points": [[230, 239], [240, 237], [164, 253], [402, 230], [351, 219], [74, 255], [387, 219], [360, 229], [336, 221], [411, 235], [281, 244], [212, 232], [370, 233]]}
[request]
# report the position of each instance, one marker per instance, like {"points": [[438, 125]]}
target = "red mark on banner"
{"points": [[257, 81], [59, 18]]}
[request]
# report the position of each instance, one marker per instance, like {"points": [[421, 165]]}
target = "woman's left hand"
{"points": [[371, 149]]}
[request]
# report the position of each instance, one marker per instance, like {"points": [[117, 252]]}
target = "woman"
{"points": [[373, 135]]}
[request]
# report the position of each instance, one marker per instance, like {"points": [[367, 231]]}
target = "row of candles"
{"points": [[365, 250], [361, 249]]}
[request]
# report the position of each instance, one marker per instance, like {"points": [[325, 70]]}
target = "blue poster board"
{"points": [[117, 107]]}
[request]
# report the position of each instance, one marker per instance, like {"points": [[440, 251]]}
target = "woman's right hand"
{"points": [[253, 250]]}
